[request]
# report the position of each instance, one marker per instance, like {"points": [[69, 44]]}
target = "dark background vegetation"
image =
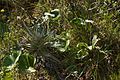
{"points": [[82, 41]]}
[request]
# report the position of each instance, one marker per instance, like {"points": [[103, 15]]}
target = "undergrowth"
{"points": [[59, 40]]}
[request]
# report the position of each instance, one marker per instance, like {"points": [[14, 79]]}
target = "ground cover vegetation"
{"points": [[59, 39]]}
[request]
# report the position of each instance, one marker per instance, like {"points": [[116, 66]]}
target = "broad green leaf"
{"points": [[49, 14], [11, 60], [25, 63], [31, 60], [61, 47], [56, 13]]}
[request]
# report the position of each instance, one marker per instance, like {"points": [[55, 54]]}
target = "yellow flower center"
{"points": [[2, 10]]}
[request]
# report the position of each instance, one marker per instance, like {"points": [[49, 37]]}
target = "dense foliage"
{"points": [[59, 40]]}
